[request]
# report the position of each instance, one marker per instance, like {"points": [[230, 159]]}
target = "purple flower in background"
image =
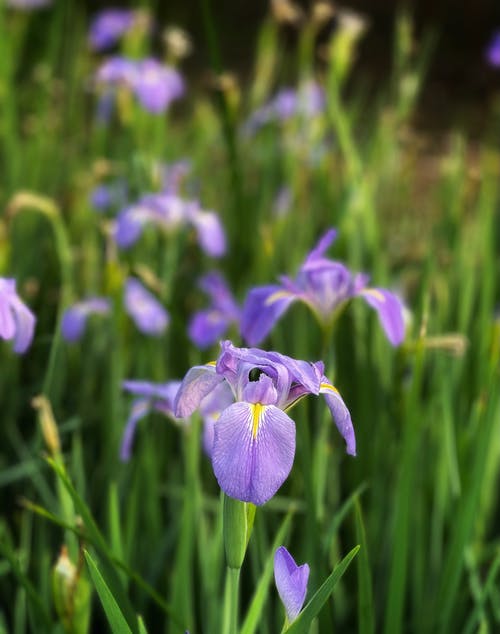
{"points": [[325, 286], [291, 582], [493, 51], [307, 101], [108, 26], [209, 325], [160, 397], [75, 317], [148, 314], [155, 85], [17, 322], [170, 212], [172, 175], [149, 396], [105, 196], [254, 439]]}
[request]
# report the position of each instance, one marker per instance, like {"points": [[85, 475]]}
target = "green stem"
{"points": [[231, 601]]}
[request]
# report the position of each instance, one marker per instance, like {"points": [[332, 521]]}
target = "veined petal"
{"points": [[198, 382], [253, 451], [291, 582], [263, 307], [341, 415], [390, 311]]}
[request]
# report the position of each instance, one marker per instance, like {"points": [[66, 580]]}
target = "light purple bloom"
{"points": [[325, 286], [170, 212], [108, 26], [17, 322], [155, 85], [209, 325], [172, 175], [254, 439], [493, 51], [75, 317], [149, 315], [291, 582]]}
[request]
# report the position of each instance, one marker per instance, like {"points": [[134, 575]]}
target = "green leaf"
{"points": [[303, 622], [114, 615], [366, 617]]}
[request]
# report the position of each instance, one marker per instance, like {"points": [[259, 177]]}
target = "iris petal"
{"points": [[291, 582], [390, 312], [262, 309], [340, 414], [198, 382], [253, 451]]}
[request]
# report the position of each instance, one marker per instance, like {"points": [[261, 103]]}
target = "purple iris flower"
{"points": [[170, 212], [75, 317], [209, 325], [493, 51], [155, 85], [325, 286], [149, 315], [105, 196], [254, 439], [17, 322], [108, 26], [291, 582], [160, 397]]}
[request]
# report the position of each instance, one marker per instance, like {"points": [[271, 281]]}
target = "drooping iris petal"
{"points": [[149, 315], [291, 582], [210, 233], [340, 414], [108, 26], [253, 451], [390, 311], [17, 322], [75, 317], [140, 408], [262, 309], [493, 51], [198, 383]]}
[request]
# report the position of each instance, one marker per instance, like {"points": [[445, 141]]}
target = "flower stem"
{"points": [[231, 601]]}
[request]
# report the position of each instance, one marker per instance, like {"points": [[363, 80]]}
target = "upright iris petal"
{"points": [[108, 26], [325, 286], [291, 582], [209, 325], [17, 322], [254, 439]]}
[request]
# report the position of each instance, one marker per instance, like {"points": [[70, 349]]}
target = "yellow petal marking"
{"points": [[256, 414], [327, 386], [212, 363], [276, 297], [374, 293]]}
